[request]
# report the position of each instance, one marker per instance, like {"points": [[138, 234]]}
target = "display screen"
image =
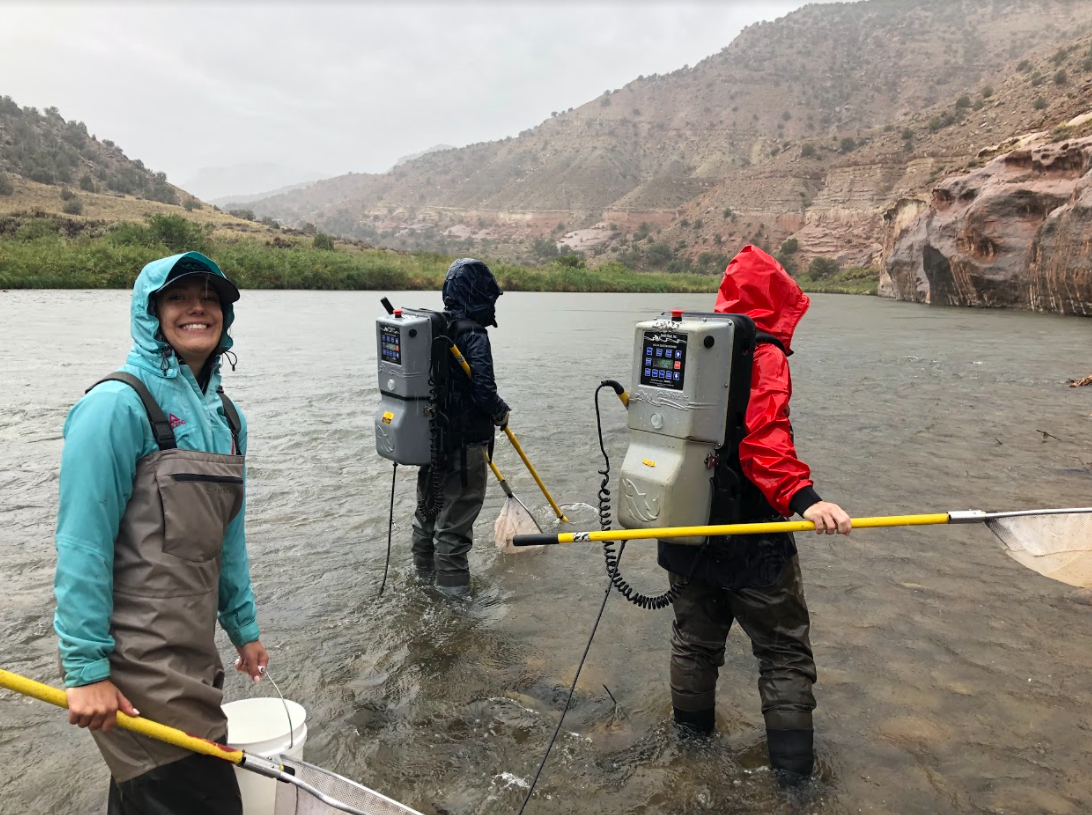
{"points": [[664, 363], [390, 344]]}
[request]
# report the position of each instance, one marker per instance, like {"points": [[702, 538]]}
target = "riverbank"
{"points": [[60, 253], [48, 253]]}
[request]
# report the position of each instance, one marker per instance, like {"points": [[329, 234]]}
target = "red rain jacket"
{"points": [[756, 285]]}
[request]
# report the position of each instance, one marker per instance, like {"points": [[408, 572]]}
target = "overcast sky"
{"points": [[340, 87]]}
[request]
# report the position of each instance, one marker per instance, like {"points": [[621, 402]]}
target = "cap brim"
{"points": [[227, 290]]}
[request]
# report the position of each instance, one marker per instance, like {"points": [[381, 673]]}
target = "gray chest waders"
{"points": [[166, 591]]}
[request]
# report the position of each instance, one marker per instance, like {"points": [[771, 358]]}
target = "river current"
{"points": [[951, 679]]}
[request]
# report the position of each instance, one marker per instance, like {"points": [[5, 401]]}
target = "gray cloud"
{"points": [[339, 87]]}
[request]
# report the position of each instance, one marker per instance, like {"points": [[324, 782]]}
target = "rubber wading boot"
{"points": [[690, 724], [792, 755], [455, 592]]}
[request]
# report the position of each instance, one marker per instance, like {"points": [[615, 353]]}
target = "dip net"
{"points": [[514, 519], [1056, 545], [341, 794]]}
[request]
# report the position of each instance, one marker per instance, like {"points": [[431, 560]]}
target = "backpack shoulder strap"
{"points": [[234, 423], [161, 426], [764, 338], [464, 325]]}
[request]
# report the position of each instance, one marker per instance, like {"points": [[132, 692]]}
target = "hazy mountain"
{"points": [[237, 181]]}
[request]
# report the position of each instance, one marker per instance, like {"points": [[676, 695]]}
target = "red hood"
{"points": [[756, 285]]}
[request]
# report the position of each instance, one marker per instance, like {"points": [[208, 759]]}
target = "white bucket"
{"points": [[260, 726]]}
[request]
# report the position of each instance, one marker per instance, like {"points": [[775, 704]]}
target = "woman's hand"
{"points": [[96, 706], [828, 517], [252, 660]]}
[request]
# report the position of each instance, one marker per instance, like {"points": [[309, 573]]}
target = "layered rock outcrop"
{"points": [[1015, 233]]}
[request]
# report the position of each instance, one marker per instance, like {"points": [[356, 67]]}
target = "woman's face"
{"points": [[191, 319]]}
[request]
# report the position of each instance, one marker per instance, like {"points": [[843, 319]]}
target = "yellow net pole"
{"points": [[154, 730], [455, 352], [723, 529]]}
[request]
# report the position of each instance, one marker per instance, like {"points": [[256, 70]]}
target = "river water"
{"points": [[951, 679]]}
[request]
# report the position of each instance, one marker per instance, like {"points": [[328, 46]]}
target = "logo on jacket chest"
{"points": [[175, 421]]}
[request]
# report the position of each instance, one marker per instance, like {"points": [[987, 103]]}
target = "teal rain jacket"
{"points": [[105, 434]]}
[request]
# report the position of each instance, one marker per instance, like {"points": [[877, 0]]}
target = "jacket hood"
{"points": [[471, 291], [757, 285], [148, 342]]}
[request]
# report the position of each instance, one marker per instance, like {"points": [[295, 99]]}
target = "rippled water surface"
{"points": [[951, 679]]}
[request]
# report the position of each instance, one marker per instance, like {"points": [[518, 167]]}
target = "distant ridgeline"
{"points": [[43, 147]]}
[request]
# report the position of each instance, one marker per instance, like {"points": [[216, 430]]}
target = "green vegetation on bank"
{"points": [[55, 253], [51, 252]]}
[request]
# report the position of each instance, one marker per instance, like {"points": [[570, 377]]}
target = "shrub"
{"points": [[820, 268], [604, 102], [6, 186], [698, 223], [987, 92], [1061, 77], [37, 229], [73, 207], [848, 145], [177, 233], [544, 248], [67, 194], [87, 183], [963, 102], [128, 233], [308, 228], [190, 204], [1040, 103], [270, 222], [808, 151], [907, 134], [1024, 66], [790, 247], [323, 241], [1036, 79], [570, 261], [245, 214]]}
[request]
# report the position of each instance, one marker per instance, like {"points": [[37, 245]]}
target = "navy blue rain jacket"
{"points": [[470, 293]]}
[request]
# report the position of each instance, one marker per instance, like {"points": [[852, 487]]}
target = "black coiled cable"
{"points": [[654, 602], [433, 501]]}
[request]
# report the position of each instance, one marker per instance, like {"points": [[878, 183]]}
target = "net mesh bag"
{"points": [[294, 801], [514, 519], [1056, 546]]}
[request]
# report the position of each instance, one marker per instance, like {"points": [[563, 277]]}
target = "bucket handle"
{"points": [[264, 671]]}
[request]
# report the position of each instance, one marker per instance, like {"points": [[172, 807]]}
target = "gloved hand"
{"points": [[502, 421]]}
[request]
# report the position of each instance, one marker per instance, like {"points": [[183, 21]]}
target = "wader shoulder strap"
{"points": [[763, 338], [161, 426], [234, 423]]}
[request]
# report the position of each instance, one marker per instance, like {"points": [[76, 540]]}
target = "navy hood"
{"points": [[471, 291]]}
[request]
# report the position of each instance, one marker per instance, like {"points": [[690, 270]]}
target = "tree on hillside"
{"points": [[821, 268]]}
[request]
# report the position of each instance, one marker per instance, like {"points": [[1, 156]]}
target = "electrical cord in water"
{"points": [[390, 531], [569, 699]]}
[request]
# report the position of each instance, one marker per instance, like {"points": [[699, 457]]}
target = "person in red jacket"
{"points": [[755, 580]]}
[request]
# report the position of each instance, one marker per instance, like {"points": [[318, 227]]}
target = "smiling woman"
{"points": [[152, 497]]}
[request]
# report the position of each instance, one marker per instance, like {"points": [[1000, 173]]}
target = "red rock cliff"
{"points": [[1016, 233]]}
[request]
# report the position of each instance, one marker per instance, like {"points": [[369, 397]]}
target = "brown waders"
{"points": [[440, 545], [776, 620], [166, 593]]}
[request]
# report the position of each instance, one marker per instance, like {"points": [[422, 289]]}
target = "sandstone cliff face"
{"points": [[1016, 233]]}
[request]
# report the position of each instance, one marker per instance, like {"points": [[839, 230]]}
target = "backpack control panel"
{"points": [[408, 383], [682, 411]]}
